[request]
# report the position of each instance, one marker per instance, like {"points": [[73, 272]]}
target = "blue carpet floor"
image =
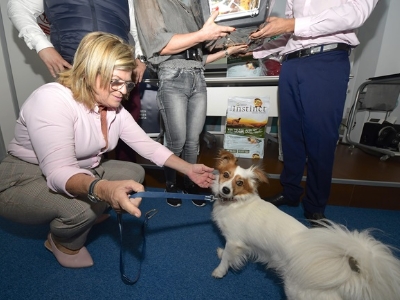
{"points": [[180, 256]]}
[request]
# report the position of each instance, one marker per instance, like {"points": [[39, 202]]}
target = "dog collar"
{"points": [[222, 199]]}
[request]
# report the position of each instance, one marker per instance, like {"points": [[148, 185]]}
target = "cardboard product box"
{"points": [[244, 146]]}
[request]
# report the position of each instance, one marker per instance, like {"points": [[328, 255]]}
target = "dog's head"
{"points": [[234, 182]]}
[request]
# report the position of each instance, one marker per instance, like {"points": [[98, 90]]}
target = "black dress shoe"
{"points": [[192, 189], [316, 219], [171, 188], [279, 200]]}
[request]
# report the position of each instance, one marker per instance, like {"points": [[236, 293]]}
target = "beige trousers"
{"points": [[25, 198]]}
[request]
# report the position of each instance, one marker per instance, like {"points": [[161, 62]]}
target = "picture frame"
{"points": [[237, 13]]}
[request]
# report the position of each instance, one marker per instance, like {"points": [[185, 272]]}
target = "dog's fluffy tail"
{"points": [[351, 262]]}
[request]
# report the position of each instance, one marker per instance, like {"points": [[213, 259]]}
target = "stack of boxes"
{"points": [[245, 128]]}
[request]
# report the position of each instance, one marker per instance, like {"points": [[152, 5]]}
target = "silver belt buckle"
{"points": [[329, 47]]}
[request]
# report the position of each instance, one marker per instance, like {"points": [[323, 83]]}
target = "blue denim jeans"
{"points": [[182, 100]]}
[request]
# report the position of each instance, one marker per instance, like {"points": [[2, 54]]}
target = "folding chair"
{"points": [[379, 94]]}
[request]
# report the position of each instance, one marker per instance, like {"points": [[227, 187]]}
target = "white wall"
{"points": [[377, 55], [28, 70], [21, 72], [388, 60], [9, 107], [279, 8]]}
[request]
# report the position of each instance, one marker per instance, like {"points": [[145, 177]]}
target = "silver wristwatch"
{"points": [[91, 195], [142, 58]]}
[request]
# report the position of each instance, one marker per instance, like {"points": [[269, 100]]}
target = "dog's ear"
{"points": [[225, 157], [261, 176]]}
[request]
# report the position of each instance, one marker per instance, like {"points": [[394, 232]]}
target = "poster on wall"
{"points": [[243, 66], [149, 113]]}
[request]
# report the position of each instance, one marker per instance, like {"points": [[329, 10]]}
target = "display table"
{"points": [[220, 89]]}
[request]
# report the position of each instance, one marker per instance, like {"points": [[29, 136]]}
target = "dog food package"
{"points": [[245, 147], [245, 127], [247, 116], [245, 66]]}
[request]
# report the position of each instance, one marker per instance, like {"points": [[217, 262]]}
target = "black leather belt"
{"points": [[316, 50], [188, 54]]}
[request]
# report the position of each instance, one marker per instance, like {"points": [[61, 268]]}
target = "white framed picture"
{"points": [[237, 13], [233, 9]]}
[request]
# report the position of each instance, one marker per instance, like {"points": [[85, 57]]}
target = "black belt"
{"points": [[188, 54], [316, 50]]}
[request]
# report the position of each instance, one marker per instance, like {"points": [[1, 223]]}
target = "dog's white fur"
{"points": [[327, 263]]}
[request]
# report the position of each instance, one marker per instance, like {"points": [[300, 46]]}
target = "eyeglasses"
{"points": [[117, 84]]}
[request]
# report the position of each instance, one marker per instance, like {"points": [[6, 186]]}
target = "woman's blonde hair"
{"points": [[99, 53]]}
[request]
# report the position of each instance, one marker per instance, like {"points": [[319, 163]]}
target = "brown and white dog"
{"points": [[330, 263]]}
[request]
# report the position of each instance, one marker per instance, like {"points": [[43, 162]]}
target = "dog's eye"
{"points": [[239, 183], [226, 175]]}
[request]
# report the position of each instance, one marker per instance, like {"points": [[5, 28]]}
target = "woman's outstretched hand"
{"points": [[201, 175]]}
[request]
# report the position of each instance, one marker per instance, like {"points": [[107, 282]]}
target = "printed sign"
{"points": [[149, 113]]}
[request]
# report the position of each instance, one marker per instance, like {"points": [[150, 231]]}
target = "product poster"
{"points": [[149, 113]]}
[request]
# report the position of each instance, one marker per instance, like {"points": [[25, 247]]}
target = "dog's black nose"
{"points": [[226, 190]]}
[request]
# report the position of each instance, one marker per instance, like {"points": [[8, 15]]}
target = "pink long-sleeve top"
{"points": [[64, 138], [320, 22]]}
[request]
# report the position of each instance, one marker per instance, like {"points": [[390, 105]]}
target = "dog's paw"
{"points": [[218, 273], [219, 252]]}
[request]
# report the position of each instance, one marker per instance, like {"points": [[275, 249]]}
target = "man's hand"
{"points": [[53, 61], [274, 26]]}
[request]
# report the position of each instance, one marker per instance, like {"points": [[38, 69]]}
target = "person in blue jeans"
{"points": [[315, 42], [172, 38]]}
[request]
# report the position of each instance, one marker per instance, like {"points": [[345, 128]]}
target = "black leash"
{"points": [[165, 195], [125, 278], [148, 216]]}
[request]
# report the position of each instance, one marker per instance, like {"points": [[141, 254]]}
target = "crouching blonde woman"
{"points": [[54, 172]]}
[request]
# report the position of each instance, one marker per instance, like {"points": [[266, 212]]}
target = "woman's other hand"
{"points": [[213, 31], [201, 175], [116, 193], [237, 50]]}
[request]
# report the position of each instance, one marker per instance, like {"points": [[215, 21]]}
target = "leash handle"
{"points": [[148, 216], [124, 277]]}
